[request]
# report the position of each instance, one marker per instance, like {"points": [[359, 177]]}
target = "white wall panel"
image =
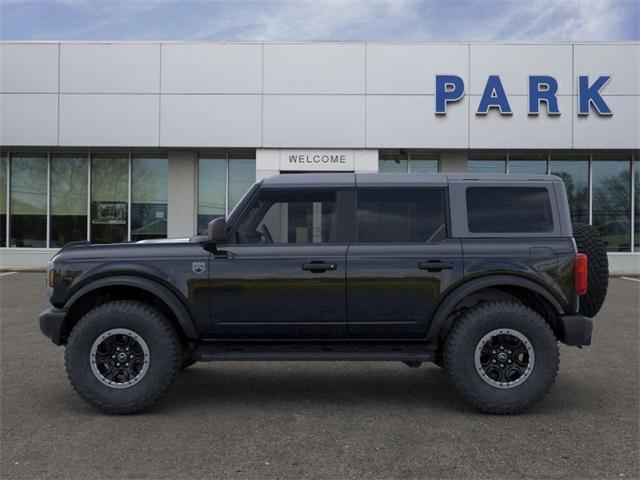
{"points": [[210, 120], [400, 121], [28, 68], [521, 130], [313, 121], [211, 68], [621, 130], [110, 68], [28, 119], [620, 61], [514, 64], [109, 120], [314, 68], [412, 69]]}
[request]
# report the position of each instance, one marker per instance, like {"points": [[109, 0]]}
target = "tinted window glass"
{"points": [[290, 217], [401, 215], [574, 172], [68, 221], [28, 201], [508, 210], [149, 197]]}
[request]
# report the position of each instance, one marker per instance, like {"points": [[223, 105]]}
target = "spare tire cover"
{"points": [[590, 242]]}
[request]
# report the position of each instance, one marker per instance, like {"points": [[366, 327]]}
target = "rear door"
{"points": [[401, 262]]}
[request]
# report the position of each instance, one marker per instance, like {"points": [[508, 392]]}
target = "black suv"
{"points": [[481, 275]]}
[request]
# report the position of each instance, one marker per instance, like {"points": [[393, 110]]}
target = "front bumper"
{"points": [[576, 330], [53, 325]]}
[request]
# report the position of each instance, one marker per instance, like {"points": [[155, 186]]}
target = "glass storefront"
{"points": [[28, 200], [109, 195], [487, 162], [400, 161], [527, 162], [149, 196], [223, 178], [4, 165], [68, 210], [573, 169], [636, 202], [611, 211]]}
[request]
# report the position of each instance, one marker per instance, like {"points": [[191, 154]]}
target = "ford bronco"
{"points": [[482, 275]]}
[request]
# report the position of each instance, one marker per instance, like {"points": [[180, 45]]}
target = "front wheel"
{"points": [[502, 357], [122, 356]]}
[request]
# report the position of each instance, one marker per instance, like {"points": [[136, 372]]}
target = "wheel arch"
{"points": [[534, 295], [134, 288]]}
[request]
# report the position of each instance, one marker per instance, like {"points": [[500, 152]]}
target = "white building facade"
{"points": [[113, 142]]}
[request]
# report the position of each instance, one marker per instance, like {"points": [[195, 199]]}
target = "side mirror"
{"points": [[217, 230]]}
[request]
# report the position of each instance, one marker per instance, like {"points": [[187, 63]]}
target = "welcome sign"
{"points": [[317, 160]]}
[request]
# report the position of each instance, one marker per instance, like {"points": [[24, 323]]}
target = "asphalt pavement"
{"points": [[324, 420]]}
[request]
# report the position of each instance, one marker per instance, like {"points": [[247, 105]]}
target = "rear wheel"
{"points": [[589, 241], [502, 357], [122, 356]]}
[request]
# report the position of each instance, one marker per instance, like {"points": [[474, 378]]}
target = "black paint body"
{"points": [[373, 291]]}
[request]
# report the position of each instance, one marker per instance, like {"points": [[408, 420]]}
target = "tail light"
{"points": [[580, 273]]}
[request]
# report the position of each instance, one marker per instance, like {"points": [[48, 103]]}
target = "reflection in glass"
{"points": [[423, 163], [149, 195], [211, 190], [28, 201], [3, 200], [574, 171], [242, 174], [393, 162], [487, 162], [109, 186], [528, 162], [611, 185], [68, 199]]}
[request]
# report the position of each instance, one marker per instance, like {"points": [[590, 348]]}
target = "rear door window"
{"points": [[509, 210], [401, 215]]}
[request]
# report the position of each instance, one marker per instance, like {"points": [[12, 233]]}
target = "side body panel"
{"points": [[389, 295]]}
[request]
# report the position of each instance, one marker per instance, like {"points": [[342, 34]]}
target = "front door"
{"points": [[401, 263], [284, 277]]}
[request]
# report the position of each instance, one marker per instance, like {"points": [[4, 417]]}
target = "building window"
{"points": [[28, 202], [68, 209], [528, 162], [109, 196], [400, 161], [573, 169], [222, 181], [149, 194], [4, 165], [636, 202], [487, 162], [611, 210]]}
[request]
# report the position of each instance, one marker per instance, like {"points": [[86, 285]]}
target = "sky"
{"points": [[321, 20]]}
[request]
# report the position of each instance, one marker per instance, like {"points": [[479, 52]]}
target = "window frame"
{"points": [[447, 214], [343, 204], [459, 214]]}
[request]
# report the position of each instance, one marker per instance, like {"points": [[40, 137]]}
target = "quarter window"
{"points": [[509, 210], [281, 217], [401, 216]]}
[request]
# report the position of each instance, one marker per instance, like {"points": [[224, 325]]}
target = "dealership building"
{"points": [[117, 142]]}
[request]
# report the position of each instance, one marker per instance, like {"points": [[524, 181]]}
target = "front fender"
{"points": [[172, 301]]}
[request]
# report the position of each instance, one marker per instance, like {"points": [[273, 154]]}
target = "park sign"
{"points": [[542, 90]]}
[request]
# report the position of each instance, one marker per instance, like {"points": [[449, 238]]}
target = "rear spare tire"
{"points": [[591, 243]]}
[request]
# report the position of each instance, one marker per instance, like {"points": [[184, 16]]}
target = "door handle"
{"points": [[318, 267], [435, 266]]}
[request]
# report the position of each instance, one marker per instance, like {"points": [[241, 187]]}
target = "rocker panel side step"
{"points": [[314, 352]]}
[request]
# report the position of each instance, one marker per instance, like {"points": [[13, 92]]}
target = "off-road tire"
{"points": [[589, 241], [459, 354], [165, 356]]}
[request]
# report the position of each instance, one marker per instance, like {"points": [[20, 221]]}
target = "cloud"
{"points": [[330, 20]]}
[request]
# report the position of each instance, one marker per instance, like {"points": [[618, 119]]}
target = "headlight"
{"points": [[53, 277]]}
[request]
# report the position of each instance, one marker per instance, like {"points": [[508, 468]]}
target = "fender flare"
{"points": [[163, 293], [445, 308]]}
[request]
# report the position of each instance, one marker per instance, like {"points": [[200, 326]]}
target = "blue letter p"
{"points": [[449, 88]]}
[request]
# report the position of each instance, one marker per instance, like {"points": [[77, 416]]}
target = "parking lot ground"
{"points": [[319, 420]]}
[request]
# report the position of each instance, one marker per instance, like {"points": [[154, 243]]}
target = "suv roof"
{"points": [[308, 180]]}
